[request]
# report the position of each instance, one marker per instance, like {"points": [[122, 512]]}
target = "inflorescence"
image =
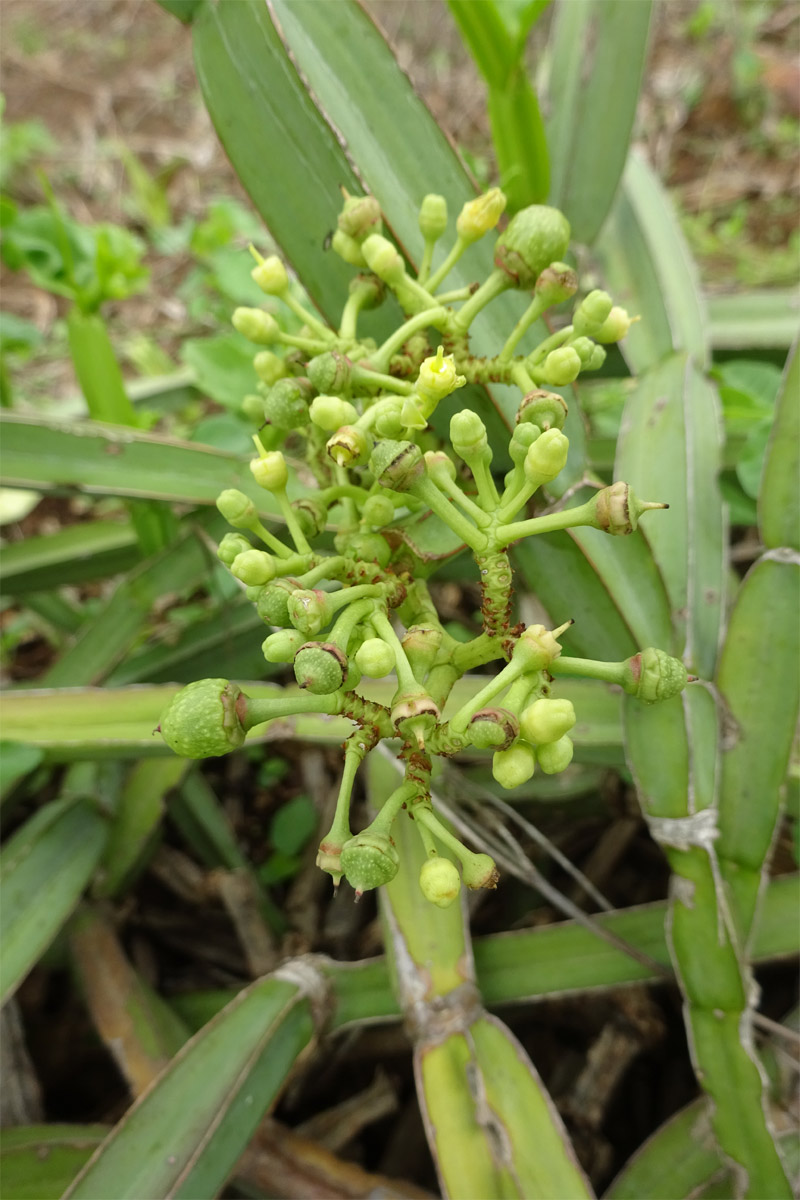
{"points": [[358, 413]]}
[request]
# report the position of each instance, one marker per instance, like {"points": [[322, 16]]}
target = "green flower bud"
{"points": [[479, 871], [231, 545], [468, 433], [352, 678], [205, 719], [390, 423], [270, 275], [382, 258], [331, 413], [330, 372], [348, 447], [253, 594], [312, 515], [281, 647], [597, 359], [440, 466], [591, 313], [310, 610], [439, 881], [237, 509], [536, 647], [514, 766], [369, 860], [480, 215], [254, 567], [273, 603], [368, 547], [286, 404], [396, 465], [493, 729], [522, 439], [535, 237], [584, 348], [256, 325], [615, 326], [437, 378], [421, 644], [548, 410], [617, 510], [348, 248], [561, 366], [265, 363], [320, 667], [546, 721], [546, 457], [653, 675], [433, 217], [378, 510], [252, 408], [376, 293], [556, 283], [554, 757], [270, 472], [360, 216], [375, 659]]}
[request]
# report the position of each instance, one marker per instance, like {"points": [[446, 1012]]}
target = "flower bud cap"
{"points": [[281, 647], [360, 216], [309, 610], [556, 283], [374, 658], [615, 326], [546, 457], [590, 314], [348, 249], [237, 509], [270, 275], [397, 465], [468, 433], [493, 729], [548, 410], [231, 545]]}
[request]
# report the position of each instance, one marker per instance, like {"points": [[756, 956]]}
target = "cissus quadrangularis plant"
{"points": [[358, 414]]}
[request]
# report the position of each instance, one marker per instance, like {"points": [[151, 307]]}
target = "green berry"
{"points": [[312, 515], [254, 567], [468, 433], [555, 757], [591, 313], [368, 547], [396, 465], [320, 668], [534, 238], [382, 258], [375, 659], [654, 675], [286, 403], [493, 729], [369, 860], [310, 610], [273, 603], [237, 509], [479, 871], [204, 720], [522, 439], [439, 881], [378, 510], [252, 408], [360, 216], [270, 367], [556, 283], [348, 248], [514, 766], [547, 720], [330, 372]]}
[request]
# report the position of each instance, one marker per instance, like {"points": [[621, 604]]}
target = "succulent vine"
{"points": [[355, 417]]}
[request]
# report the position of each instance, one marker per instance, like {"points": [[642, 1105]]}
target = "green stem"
{"points": [[588, 668], [269, 539], [487, 492], [308, 318], [427, 817], [490, 289], [481, 650], [568, 518], [427, 259], [343, 628], [427, 490], [405, 676], [555, 340], [348, 503], [444, 269], [377, 380], [448, 485], [531, 314], [329, 569], [379, 361], [391, 807], [343, 491], [311, 346], [519, 375], [353, 757], [348, 325], [498, 683], [292, 524], [259, 711]]}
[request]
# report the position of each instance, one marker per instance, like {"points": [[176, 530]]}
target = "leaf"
{"points": [[44, 869], [674, 1161], [78, 553], [184, 1135], [38, 1162], [136, 822], [223, 367], [293, 825], [754, 320], [779, 499], [16, 761], [598, 54], [669, 450]]}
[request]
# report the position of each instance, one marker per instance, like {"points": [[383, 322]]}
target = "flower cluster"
{"points": [[358, 414]]}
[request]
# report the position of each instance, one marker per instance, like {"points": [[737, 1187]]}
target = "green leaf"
{"points": [[779, 500], [754, 320], [136, 822], [79, 553], [675, 1161], [598, 55], [38, 1162], [293, 825], [669, 450], [44, 869], [183, 1136], [223, 367], [16, 761]]}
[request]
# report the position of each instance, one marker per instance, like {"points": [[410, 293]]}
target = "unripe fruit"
{"points": [[273, 603], [653, 675], [514, 766], [546, 457], [440, 466], [479, 871], [439, 881], [256, 325], [493, 729], [433, 217], [548, 410], [270, 275], [368, 547], [270, 367], [330, 372], [396, 465], [360, 216], [312, 515], [382, 258], [555, 756], [204, 719], [369, 860], [320, 668], [480, 215], [561, 366], [281, 647], [286, 403], [617, 510], [331, 413], [556, 283], [535, 237], [252, 408], [375, 658], [231, 545], [254, 567], [348, 447], [547, 720], [378, 510], [270, 472], [310, 610], [584, 347]]}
